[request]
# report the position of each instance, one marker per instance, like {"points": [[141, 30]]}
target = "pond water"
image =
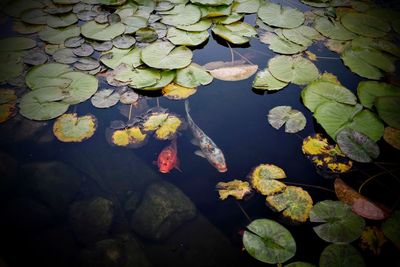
{"points": [[78, 204]]}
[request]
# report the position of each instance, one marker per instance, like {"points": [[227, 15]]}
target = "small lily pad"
{"points": [[264, 177], [164, 124], [102, 32], [265, 81], [336, 255], [71, 128], [280, 16], [131, 137], [124, 41], [293, 119], [84, 50], [193, 75], [236, 188], [129, 97], [177, 92], [105, 98]]}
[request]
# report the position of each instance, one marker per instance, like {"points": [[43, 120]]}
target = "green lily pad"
{"points": [[231, 71], [265, 81], [340, 255], [181, 15], [303, 35], [264, 179], [105, 98], [268, 241], [320, 91], [16, 44], [167, 76], [201, 25], [81, 88], [233, 17], [139, 78], [34, 16], [333, 29], [297, 69], [65, 56], [134, 23], [181, 37], [280, 16], [299, 264], [357, 146], [60, 21], [357, 65], [339, 223], [293, 119], [164, 55], [364, 24], [147, 35], [391, 228], [193, 75], [280, 44], [388, 108], [102, 32], [116, 57], [215, 11], [335, 116], [212, 2], [58, 36], [380, 44], [11, 66], [71, 128], [236, 33], [368, 91], [295, 203], [247, 6], [47, 75]]}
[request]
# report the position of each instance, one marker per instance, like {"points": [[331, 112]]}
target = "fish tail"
{"points": [[187, 108]]}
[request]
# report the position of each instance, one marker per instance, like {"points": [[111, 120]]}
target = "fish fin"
{"points": [[178, 168], [178, 165], [195, 142], [187, 108], [199, 153]]}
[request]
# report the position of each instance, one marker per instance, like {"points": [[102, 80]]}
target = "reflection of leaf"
{"points": [[71, 128], [295, 203], [268, 241], [360, 205], [391, 228], [373, 239], [236, 188], [263, 179], [293, 119], [339, 223], [231, 71], [336, 255]]}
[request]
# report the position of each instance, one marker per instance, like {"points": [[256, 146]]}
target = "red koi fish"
{"points": [[168, 158]]}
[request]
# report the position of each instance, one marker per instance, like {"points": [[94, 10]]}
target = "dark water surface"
{"points": [[36, 232]]}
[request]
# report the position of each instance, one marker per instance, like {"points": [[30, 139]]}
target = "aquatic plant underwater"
{"points": [[57, 54]]}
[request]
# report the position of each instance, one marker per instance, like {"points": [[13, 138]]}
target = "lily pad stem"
{"points": [[243, 211], [312, 186]]}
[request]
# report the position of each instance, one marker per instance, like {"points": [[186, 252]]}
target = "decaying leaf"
{"points": [[231, 71], [236, 188], [164, 124], [293, 119], [131, 137], [8, 107], [71, 128], [372, 238], [295, 203], [311, 55], [177, 92], [392, 137], [263, 179]]}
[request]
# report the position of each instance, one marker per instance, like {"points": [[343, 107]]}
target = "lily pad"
{"points": [[212, 2], [321, 91], [71, 128], [102, 32], [231, 71], [87, 64], [280, 16], [16, 44], [264, 179], [116, 56], [236, 188], [193, 75], [265, 81], [59, 21], [339, 223], [47, 75], [84, 50], [181, 15], [177, 92], [148, 35], [123, 41], [65, 56], [105, 98], [368, 91], [365, 25], [268, 241], [333, 29], [81, 87], [181, 37], [352, 59], [138, 78], [129, 97], [167, 76], [293, 119], [388, 108], [297, 69], [299, 264], [391, 228], [336, 255], [392, 137], [164, 124], [164, 55], [201, 25], [134, 23], [36, 57], [131, 137], [58, 36], [357, 146], [303, 35], [280, 44], [236, 33]]}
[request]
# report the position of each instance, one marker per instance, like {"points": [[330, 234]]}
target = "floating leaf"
{"points": [[215, 11], [37, 57], [181, 37], [339, 223], [295, 203], [147, 35], [297, 69], [212, 2], [280, 16], [58, 36], [372, 238], [293, 119], [60, 21], [392, 137], [247, 6], [182, 15], [364, 24], [231, 71], [236, 33], [167, 76], [164, 125], [268, 241], [236, 188], [357, 146], [265, 81], [193, 75], [164, 55], [360, 204], [368, 91], [116, 57], [131, 137], [391, 228], [65, 56], [201, 25], [129, 97], [16, 44], [302, 35], [333, 29], [71, 128], [388, 108], [138, 78], [84, 50], [320, 91], [263, 179], [81, 87], [87, 64], [123, 41], [177, 92], [299, 264], [105, 98], [336, 255], [280, 44], [47, 75], [102, 32]]}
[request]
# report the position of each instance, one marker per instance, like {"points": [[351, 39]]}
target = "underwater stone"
{"points": [[164, 208], [54, 183], [91, 219]]}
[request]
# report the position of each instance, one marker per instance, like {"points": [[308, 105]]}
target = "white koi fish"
{"points": [[208, 149]]}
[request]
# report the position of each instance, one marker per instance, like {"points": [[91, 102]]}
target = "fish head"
{"points": [[166, 160], [219, 161], [164, 166]]}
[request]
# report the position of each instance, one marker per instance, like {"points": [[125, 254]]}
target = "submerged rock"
{"points": [[91, 219], [164, 208], [123, 251], [54, 183]]}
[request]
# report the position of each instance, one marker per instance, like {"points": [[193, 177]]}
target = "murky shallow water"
{"points": [[38, 227]]}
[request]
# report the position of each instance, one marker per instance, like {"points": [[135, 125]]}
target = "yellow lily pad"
{"points": [[177, 92], [263, 179], [236, 188], [71, 128], [132, 137], [392, 137], [295, 203], [164, 124], [154, 121]]}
